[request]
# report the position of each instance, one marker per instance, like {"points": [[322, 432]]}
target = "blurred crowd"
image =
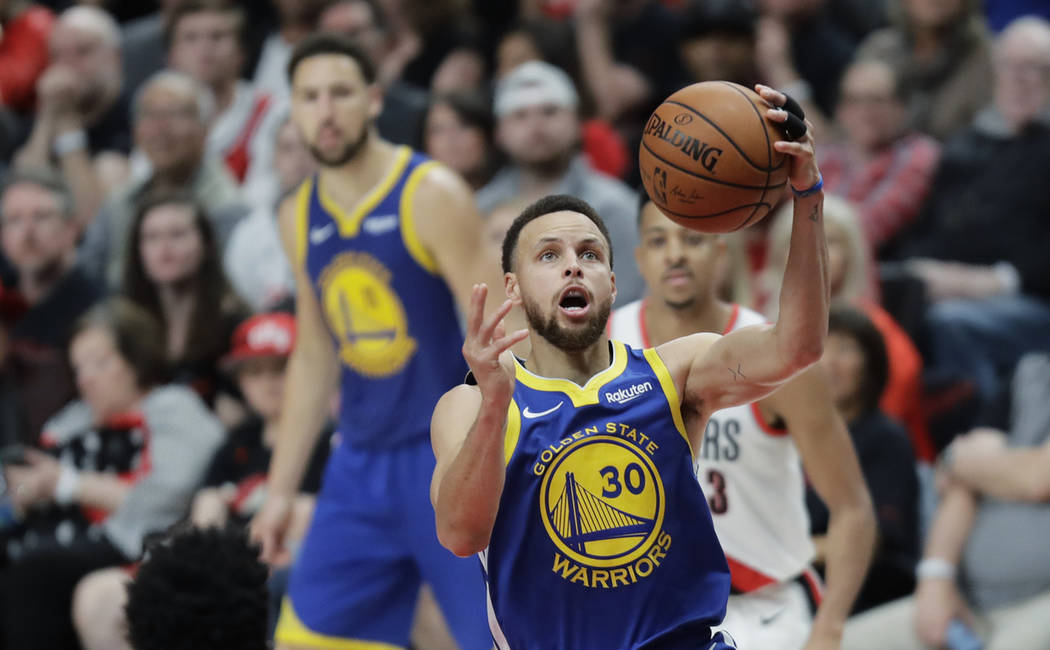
{"points": [[145, 296]]}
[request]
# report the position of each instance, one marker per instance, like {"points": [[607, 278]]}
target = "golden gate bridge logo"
{"points": [[602, 501], [581, 517]]}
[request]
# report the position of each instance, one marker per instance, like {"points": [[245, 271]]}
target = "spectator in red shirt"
{"points": [[883, 168], [24, 30]]}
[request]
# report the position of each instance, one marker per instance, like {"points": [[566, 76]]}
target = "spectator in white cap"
{"points": [[538, 127]]}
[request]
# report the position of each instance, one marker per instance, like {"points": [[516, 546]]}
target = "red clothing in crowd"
{"points": [[889, 189], [902, 397], [23, 57]]}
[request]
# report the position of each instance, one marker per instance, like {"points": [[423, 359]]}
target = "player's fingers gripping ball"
{"points": [[707, 158]]}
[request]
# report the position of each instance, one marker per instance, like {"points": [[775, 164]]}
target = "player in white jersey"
{"points": [[750, 463]]}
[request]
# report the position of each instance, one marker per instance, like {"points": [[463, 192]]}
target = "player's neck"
{"points": [[665, 323], [355, 178], [577, 366]]}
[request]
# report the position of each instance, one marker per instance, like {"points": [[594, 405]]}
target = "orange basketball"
{"points": [[707, 158]]}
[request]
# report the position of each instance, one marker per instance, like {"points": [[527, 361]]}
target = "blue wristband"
{"points": [[818, 186]]}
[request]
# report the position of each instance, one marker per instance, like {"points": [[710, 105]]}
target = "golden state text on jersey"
{"points": [[603, 537], [391, 316]]}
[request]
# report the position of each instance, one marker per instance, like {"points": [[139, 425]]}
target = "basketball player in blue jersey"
{"points": [[383, 242], [571, 473]]}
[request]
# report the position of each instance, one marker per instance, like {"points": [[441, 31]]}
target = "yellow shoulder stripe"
{"points": [[510, 439], [667, 384], [409, 234], [302, 220]]}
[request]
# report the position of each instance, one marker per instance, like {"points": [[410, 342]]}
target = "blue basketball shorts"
{"points": [[371, 543]]}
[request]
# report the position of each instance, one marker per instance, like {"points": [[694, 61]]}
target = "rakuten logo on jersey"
{"points": [[627, 394]]}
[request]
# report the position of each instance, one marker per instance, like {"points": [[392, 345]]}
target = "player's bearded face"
{"points": [[340, 155], [574, 338]]}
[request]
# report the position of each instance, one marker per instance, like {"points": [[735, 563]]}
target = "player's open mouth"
{"points": [[574, 302]]}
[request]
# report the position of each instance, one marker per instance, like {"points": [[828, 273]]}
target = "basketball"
{"points": [[707, 158]]}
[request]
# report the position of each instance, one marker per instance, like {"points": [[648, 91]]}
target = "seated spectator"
{"points": [[716, 41], [857, 367], [801, 49], [23, 52], [235, 483], [539, 130], [458, 131], [174, 271], [367, 23], [206, 41], [255, 261], [81, 125], [172, 113], [979, 245], [297, 19], [852, 279], [941, 52], [199, 588], [986, 564], [554, 43], [121, 462], [881, 167], [144, 46], [464, 69], [38, 234]]}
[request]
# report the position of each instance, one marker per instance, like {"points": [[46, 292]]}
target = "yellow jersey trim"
{"points": [[409, 235], [350, 223], [510, 439], [302, 220], [667, 384], [291, 630], [580, 396]]}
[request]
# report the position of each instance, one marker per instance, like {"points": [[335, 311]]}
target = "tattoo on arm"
{"points": [[738, 373], [814, 216]]}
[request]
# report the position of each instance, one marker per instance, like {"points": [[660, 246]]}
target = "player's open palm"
{"points": [[485, 341]]}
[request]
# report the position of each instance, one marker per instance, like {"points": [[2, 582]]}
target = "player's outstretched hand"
{"points": [[269, 528], [804, 173], [485, 341]]}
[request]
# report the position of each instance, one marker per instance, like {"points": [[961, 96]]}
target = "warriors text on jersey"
{"points": [[603, 538], [391, 316], [751, 473]]}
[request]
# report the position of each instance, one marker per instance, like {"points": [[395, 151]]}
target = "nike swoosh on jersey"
{"points": [[319, 235], [766, 620], [530, 414]]}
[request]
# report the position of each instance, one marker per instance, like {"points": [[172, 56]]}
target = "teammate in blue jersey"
{"points": [[570, 473], [383, 242]]}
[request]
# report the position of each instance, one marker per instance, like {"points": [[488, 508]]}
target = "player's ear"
{"points": [[375, 100], [510, 285], [612, 279]]}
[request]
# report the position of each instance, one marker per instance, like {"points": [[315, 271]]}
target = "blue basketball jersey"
{"points": [[603, 537], [391, 316]]}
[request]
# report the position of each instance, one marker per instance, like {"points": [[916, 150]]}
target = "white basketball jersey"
{"points": [[751, 473]]}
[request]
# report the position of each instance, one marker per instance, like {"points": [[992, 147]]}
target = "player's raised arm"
{"points": [[750, 363], [467, 432], [311, 377]]}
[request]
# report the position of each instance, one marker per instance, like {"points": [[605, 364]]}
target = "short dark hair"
{"points": [[549, 205], [136, 333], [323, 43], [190, 7], [45, 178], [199, 588], [849, 321]]}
